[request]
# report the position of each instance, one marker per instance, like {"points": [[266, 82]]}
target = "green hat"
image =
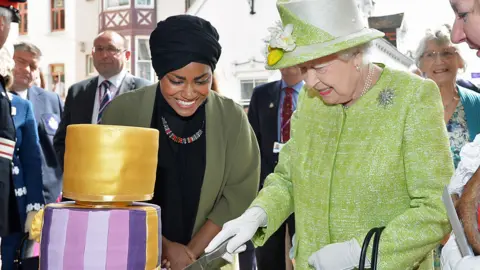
{"points": [[312, 29]]}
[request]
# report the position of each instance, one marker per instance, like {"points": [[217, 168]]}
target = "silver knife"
{"points": [[202, 262]]}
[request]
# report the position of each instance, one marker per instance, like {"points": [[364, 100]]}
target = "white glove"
{"points": [[28, 221], [242, 229], [337, 256], [451, 258]]}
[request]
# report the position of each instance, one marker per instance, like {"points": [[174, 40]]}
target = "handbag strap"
{"points": [[366, 242], [20, 249], [376, 244]]}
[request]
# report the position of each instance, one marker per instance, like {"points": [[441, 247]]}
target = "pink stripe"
{"points": [[117, 248], [75, 241]]}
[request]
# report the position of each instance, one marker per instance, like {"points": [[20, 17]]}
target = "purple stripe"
{"points": [[47, 222], [137, 240], [76, 238], [117, 247]]}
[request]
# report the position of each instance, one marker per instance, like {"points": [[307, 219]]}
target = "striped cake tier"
{"points": [[78, 237]]}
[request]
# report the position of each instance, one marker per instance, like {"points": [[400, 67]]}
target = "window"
{"points": [[57, 72], [115, 4], [188, 4], [246, 88], [144, 3], [128, 64], [144, 67], [89, 67], [23, 26], [58, 15]]}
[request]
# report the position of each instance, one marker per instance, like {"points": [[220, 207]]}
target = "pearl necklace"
{"points": [[366, 86]]}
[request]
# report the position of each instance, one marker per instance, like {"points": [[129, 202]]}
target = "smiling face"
{"points": [[466, 27], [187, 88], [440, 62], [333, 78]]}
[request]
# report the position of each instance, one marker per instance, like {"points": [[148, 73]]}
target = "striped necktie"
{"points": [[287, 112], [106, 98]]}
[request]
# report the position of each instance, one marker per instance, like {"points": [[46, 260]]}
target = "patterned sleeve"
{"points": [[428, 167], [276, 196], [32, 162]]}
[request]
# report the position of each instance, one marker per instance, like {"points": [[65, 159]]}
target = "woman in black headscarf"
{"points": [[208, 162]]}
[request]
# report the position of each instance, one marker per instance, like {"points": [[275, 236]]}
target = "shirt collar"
{"points": [[115, 80], [297, 87]]}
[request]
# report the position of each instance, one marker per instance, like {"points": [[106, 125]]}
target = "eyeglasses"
{"points": [[444, 54], [109, 50]]}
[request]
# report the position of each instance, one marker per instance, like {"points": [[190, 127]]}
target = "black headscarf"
{"points": [[176, 42], [182, 39]]}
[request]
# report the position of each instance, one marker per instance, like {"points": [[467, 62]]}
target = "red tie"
{"points": [[287, 111]]}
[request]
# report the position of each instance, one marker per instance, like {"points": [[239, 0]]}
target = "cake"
{"points": [[108, 170]]}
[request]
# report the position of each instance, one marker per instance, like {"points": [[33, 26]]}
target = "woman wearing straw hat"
{"points": [[368, 148]]}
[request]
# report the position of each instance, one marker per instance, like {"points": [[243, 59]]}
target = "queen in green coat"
{"points": [[368, 149]]}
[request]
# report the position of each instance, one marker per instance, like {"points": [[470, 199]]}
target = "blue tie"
{"points": [[106, 98]]}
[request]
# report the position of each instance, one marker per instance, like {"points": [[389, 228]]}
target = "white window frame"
{"points": [[128, 64], [151, 5], [137, 69], [88, 64], [106, 7], [256, 82]]}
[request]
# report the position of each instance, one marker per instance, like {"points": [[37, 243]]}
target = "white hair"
{"points": [[6, 13], [441, 37], [364, 49]]}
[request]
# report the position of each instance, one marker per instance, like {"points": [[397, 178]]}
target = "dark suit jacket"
{"points": [[9, 217], [48, 108], [79, 106], [263, 116]]}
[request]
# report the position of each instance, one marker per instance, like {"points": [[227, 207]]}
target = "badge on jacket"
{"points": [[277, 147], [14, 111], [50, 121]]}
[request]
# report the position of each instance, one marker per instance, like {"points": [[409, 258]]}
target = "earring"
{"points": [[357, 67]]}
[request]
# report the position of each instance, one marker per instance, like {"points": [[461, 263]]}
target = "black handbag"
{"points": [[23, 255], [376, 232]]}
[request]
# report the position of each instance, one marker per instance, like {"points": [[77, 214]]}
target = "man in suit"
{"points": [[271, 107], [47, 108], [9, 218], [87, 99]]}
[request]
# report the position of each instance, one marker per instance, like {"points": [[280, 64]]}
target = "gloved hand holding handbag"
{"points": [[337, 256]]}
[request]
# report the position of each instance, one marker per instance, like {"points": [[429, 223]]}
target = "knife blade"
{"points": [[202, 262]]}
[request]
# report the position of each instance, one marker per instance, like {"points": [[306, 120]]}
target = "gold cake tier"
{"points": [[110, 163]]}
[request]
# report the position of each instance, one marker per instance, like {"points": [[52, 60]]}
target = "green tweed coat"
{"points": [[382, 162]]}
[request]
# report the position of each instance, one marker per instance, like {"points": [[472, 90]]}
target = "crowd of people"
{"points": [[338, 146]]}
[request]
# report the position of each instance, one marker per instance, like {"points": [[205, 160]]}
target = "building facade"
{"points": [[64, 30]]}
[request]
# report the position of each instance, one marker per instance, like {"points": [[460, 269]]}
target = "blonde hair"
{"points": [[6, 67]]}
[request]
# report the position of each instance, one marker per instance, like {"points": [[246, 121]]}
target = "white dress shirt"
{"points": [[23, 94], [116, 83]]}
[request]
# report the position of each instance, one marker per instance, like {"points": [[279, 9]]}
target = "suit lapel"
{"points": [[35, 97], [274, 100], [89, 100], [127, 84]]}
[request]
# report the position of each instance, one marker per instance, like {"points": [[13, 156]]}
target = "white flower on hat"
{"points": [[281, 38], [279, 42]]}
